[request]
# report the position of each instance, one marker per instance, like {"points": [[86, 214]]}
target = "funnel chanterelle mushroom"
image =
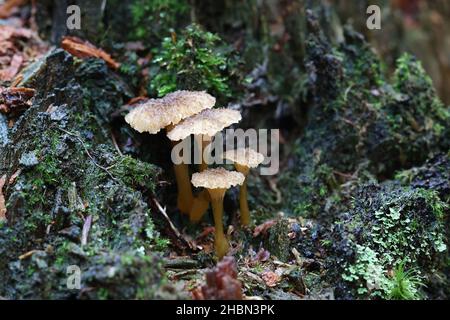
{"points": [[244, 160], [217, 181], [203, 126], [156, 114]]}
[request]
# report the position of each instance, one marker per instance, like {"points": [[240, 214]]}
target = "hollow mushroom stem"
{"points": [[243, 200], [220, 241]]}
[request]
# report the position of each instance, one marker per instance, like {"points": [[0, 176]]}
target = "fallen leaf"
{"points": [[9, 73], [137, 100], [271, 278], [84, 49], [8, 7], [221, 282], [262, 256], [14, 176], [262, 228]]}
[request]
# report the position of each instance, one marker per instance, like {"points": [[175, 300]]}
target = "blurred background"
{"points": [[421, 27]]}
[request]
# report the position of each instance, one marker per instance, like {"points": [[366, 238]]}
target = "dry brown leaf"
{"points": [[84, 49], [8, 7], [262, 228], [13, 178], [221, 282], [271, 278], [137, 100], [262, 256], [2, 200], [9, 73], [18, 46]]}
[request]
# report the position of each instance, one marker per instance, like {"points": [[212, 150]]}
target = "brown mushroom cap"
{"points": [[207, 123], [156, 114], [218, 178], [245, 157]]}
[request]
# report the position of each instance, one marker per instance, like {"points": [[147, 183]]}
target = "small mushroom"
{"points": [[217, 181], [244, 160], [157, 114], [203, 126]]}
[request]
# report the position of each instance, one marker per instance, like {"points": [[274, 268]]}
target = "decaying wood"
{"points": [[15, 100], [2, 200], [84, 49], [181, 263], [86, 227]]}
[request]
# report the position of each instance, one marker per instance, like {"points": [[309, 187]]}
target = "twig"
{"points": [[28, 254], [180, 263], [87, 152], [274, 187], [86, 227], [172, 226], [113, 138]]}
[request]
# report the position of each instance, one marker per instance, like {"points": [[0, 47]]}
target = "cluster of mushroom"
{"points": [[186, 113]]}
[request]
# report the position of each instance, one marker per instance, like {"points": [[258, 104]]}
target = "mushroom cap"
{"points": [[208, 123], [156, 114], [217, 178], [245, 157]]}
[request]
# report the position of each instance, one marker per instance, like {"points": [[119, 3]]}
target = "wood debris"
{"points": [[84, 49], [86, 227], [2, 200], [262, 228], [271, 278], [14, 100]]}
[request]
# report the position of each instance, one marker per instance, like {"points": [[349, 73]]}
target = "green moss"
{"points": [[135, 173], [77, 174], [195, 60], [372, 279], [152, 19], [393, 229], [405, 284], [368, 273]]}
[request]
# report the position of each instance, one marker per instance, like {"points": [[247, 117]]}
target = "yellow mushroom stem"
{"points": [[201, 202], [185, 196], [220, 241], [200, 205], [203, 142], [243, 202]]}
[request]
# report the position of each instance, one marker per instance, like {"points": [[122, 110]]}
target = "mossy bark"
{"points": [[75, 200]]}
